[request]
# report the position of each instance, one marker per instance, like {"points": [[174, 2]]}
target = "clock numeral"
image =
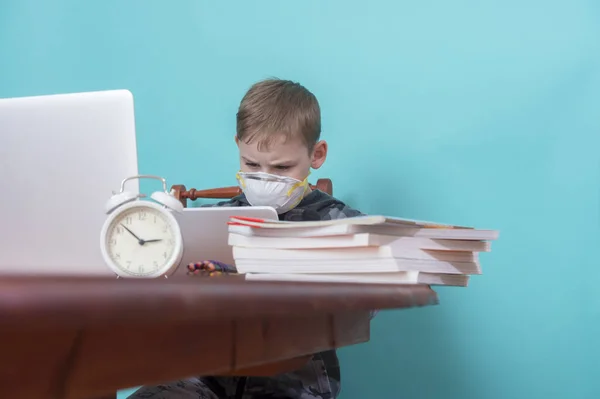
{"points": [[128, 264], [165, 255], [141, 269], [171, 241], [128, 220], [155, 264], [113, 241], [119, 230], [165, 228], [142, 215], [154, 219], [118, 256]]}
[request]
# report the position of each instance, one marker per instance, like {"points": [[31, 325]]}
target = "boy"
{"points": [[278, 136]]}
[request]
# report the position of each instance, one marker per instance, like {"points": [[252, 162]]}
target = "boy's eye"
{"points": [[252, 165], [282, 167]]}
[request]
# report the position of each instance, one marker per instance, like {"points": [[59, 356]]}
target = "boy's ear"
{"points": [[319, 154], [237, 140]]}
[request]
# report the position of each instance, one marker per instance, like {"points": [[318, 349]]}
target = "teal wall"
{"points": [[474, 112]]}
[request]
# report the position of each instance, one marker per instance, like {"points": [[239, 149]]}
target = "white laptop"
{"points": [[61, 156]]}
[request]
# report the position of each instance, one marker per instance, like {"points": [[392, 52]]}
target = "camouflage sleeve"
{"points": [[340, 211], [231, 203]]}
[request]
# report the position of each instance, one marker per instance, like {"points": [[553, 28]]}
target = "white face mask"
{"points": [[264, 189]]}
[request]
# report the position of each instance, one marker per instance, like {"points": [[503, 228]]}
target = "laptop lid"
{"points": [[61, 157], [205, 232]]}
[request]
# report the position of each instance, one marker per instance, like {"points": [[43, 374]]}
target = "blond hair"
{"points": [[275, 107]]}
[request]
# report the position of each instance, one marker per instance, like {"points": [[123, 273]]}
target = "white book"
{"points": [[382, 265], [356, 220], [384, 229], [364, 253], [458, 280], [356, 240]]}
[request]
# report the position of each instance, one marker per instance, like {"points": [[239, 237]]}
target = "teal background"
{"points": [[473, 112]]}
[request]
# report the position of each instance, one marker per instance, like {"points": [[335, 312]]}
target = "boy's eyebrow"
{"points": [[287, 162], [248, 160], [280, 163]]}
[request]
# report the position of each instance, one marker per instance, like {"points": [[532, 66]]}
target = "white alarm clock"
{"points": [[142, 239]]}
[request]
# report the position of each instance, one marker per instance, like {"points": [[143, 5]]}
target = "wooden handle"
{"points": [[223, 192], [192, 194]]}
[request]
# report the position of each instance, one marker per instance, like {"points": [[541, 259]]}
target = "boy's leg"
{"points": [[276, 388], [191, 388], [301, 384]]}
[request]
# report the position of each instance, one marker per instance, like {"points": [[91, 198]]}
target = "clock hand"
{"points": [[140, 241], [160, 239]]}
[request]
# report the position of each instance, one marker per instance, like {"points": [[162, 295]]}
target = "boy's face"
{"points": [[289, 158]]}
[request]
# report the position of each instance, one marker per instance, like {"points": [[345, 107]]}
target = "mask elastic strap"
{"points": [[296, 185], [242, 182]]}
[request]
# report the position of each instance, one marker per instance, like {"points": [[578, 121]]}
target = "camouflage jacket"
{"points": [[321, 377]]}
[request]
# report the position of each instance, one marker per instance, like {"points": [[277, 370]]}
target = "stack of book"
{"points": [[363, 249]]}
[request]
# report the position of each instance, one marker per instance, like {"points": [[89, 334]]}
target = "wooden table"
{"points": [[88, 337]]}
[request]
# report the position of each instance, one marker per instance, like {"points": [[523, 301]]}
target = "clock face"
{"points": [[141, 240]]}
